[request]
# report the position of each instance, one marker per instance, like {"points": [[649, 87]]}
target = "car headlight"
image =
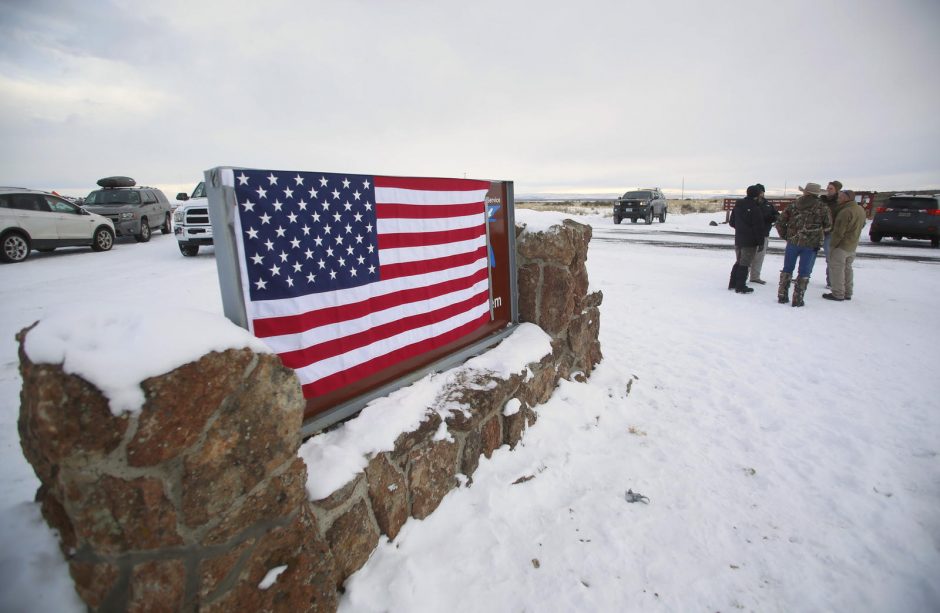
{"points": [[178, 215], [128, 215]]}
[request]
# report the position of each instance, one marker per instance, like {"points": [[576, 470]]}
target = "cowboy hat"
{"points": [[813, 188]]}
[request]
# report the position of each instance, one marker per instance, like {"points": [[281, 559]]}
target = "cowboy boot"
{"points": [[741, 281], [799, 288], [783, 289], [732, 281]]}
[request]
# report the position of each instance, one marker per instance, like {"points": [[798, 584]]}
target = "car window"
{"points": [[200, 191], [912, 203], [149, 198], [61, 206], [113, 196], [643, 194], [24, 202]]}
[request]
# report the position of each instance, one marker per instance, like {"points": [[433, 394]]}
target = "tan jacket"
{"points": [[847, 227]]}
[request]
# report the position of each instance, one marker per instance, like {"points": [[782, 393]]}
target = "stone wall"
{"points": [[192, 502]]}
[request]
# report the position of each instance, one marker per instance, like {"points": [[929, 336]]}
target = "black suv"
{"points": [[135, 211], [644, 204], [905, 216]]}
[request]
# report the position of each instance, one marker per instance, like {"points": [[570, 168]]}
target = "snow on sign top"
{"points": [[116, 348]]}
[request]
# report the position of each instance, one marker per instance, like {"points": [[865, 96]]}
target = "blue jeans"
{"points": [[806, 255], [827, 240]]}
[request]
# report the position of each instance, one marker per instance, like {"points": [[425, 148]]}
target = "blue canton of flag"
{"points": [[306, 233]]}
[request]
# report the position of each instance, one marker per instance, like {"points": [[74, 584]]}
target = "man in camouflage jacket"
{"points": [[803, 225]]}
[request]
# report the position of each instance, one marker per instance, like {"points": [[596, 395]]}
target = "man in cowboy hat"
{"points": [[802, 225]]}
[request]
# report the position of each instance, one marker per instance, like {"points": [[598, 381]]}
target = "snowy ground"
{"points": [[791, 456]]}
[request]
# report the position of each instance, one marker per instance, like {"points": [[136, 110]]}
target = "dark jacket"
{"points": [[831, 202], [847, 226], [770, 216], [804, 222], [747, 219]]}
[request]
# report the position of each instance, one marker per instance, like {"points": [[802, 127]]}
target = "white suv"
{"points": [[191, 221], [31, 219]]}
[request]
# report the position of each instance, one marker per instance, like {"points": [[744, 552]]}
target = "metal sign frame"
{"points": [[501, 245]]}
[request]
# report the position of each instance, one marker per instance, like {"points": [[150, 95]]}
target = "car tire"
{"points": [[649, 218], [875, 238], [103, 239], [617, 220], [633, 220], [14, 247], [897, 238], [167, 226], [145, 233], [189, 250], [935, 243], [662, 216]]}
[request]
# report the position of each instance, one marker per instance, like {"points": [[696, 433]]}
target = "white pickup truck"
{"points": [[191, 221]]}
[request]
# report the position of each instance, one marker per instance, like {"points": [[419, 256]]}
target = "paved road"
{"points": [[913, 251]]}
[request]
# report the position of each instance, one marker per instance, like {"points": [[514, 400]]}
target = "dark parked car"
{"points": [[906, 216], [135, 211], [645, 204]]}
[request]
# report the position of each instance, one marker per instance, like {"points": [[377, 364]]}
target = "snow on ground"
{"points": [[791, 456]]}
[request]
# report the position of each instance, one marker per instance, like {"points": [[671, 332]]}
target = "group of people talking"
{"points": [[829, 219]]}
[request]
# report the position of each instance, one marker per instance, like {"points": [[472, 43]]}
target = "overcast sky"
{"points": [[577, 96]]}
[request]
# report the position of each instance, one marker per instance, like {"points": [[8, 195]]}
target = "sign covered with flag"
{"points": [[345, 276]]}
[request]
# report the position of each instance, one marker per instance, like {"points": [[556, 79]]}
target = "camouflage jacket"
{"points": [[804, 222]]}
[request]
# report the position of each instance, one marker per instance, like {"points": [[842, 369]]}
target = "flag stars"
{"points": [[288, 192], [283, 256], [365, 184], [257, 259], [371, 248], [337, 217], [315, 217], [262, 193], [348, 229], [358, 216], [308, 254], [313, 193], [298, 267], [269, 245], [319, 241], [359, 239], [306, 230], [272, 179], [372, 270], [290, 282], [352, 272], [356, 194], [261, 284], [275, 270], [295, 243], [347, 206], [292, 217], [252, 233], [327, 229], [345, 183], [339, 239], [335, 194], [311, 278], [325, 205], [265, 218], [280, 232], [350, 250], [243, 179], [361, 260], [323, 181], [368, 206], [342, 261], [321, 263], [329, 252], [249, 205], [302, 205], [332, 275], [299, 180], [277, 205]]}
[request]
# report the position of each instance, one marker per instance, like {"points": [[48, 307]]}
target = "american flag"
{"points": [[345, 275]]}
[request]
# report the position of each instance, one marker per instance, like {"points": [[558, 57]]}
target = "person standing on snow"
{"points": [[830, 199], [748, 223], [770, 216], [802, 225], [846, 229]]}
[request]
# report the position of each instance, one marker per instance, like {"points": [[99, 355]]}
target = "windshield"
{"points": [[638, 195], [200, 191], [113, 196], [912, 203]]}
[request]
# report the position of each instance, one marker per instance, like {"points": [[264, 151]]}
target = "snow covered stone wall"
{"points": [[197, 493]]}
